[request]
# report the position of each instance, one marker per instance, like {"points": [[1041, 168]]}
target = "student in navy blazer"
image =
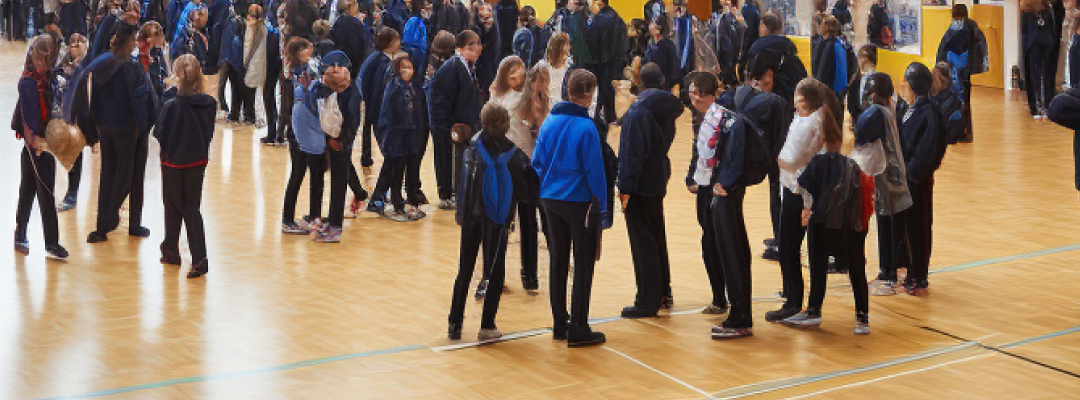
{"points": [[455, 99]]}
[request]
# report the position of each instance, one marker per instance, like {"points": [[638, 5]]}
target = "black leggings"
{"points": [[34, 167], [893, 251], [270, 105], [648, 248], [242, 96], [849, 250], [493, 236], [530, 239], [181, 191], [790, 242], [74, 178], [920, 220], [123, 170], [391, 178], [299, 160]]}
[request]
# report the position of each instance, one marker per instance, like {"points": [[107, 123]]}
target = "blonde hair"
{"points": [[502, 78], [557, 50], [189, 74]]}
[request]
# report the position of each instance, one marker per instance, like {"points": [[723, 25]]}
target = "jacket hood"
{"points": [[199, 100], [778, 43], [570, 109]]}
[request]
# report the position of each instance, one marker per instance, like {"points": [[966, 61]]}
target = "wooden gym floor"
{"points": [[283, 317]]}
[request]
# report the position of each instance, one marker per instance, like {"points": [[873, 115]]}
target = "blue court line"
{"points": [[320, 361], [238, 374]]}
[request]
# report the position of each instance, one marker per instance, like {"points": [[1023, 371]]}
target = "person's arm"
{"points": [[800, 147], [692, 170], [387, 114], [730, 167], [30, 105], [634, 149], [923, 160], [591, 156], [350, 111], [443, 85]]}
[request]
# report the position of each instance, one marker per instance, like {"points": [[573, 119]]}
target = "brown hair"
{"points": [[149, 30], [557, 50], [494, 120], [293, 49], [343, 6], [1032, 6], [942, 77], [256, 11], [502, 77], [385, 38], [532, 99], [400, 58], [188, 72], [832, 27], [321, 30], [465, 38], [42, 47], [817, 98], [581, 84]]}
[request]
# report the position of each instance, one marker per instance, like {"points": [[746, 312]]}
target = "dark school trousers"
{"points": [[243, 97], [391, 178], [605, 97], [74, 178], [339, 161], [790, 240], [730, 227], [571, 225], [370, 119], [270, 103], [920, 220], [181, 191], [848, 248], [445, 149], [123, 172], [299, 161], [38, 181], [530, 237], [893, 250], [710, 253], [648, 248], [493, 236]]}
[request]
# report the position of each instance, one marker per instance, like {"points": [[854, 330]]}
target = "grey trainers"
{"points": [[487, 335], [713, 309], [862, 328], [880, 287], [803, 320]]}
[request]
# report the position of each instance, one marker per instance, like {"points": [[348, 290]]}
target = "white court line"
{"points": [[662, 373], [510, 336], [890, 376]]}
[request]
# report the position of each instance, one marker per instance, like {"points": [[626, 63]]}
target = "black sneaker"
{"points": [[454, 331], [530, 283], [633, 312], [198, 270], [667, 302], [770, 242], [481, 290], [269, 141], [582, 337], [96, 237], [772, 253], [22, 246], [139, 231], [781, 314], [56, 252], [560, 332], [170, 259]]}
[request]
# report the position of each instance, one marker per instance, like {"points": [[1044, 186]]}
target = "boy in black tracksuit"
{"points": [[185, 129], [922, 135], [495, 175], [644, 170]]}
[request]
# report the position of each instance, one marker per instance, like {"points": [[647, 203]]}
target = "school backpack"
{"points": [[414, 42], [307, 126], [952, 110], [758, 155], [530, 43], [844, 205], [787, 75]]}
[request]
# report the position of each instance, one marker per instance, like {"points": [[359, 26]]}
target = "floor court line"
{"points": [[886, 377], [286, 367], [659, 372]]}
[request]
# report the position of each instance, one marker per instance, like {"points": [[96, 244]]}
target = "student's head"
{"points": [[919, 79], [297, 52], [703, 90], [197, 18], [867, 57], [484, 14], [403, 67], [1069, 4], [942, 77], [660, 26], [77, 46], [123, 42], [348, 7], [879, 89], [334, 70], [255, 15], [468, 45], [581, 87], [321, 29], [820, 5], [599, 5], [40, 54], [527, 16], [510, 76], [558, 49], [960, 11], [652, 77], [1031, 6], [812, 96], [830, 27], [537, 82], [761, 70], [495, 122], [387, 40], [151, 34], [771, 24], [188, 73], [443, 45]]}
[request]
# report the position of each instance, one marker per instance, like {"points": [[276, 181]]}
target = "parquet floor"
{"points": [[282, 317]]}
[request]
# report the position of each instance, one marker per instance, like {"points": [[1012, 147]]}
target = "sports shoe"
{"points": [[862, 328], [920, 288], [487, 335], [481, 290], [415, 213], [772, 253], [312, 225], [396, 216], [260, 123], [56, 252], [720, 332], [328, 234], [781, 314], [667, 302], [67, 204], [292, 228], [880, 287], [22, 246], [447, 204], [713, 309], [454, 331], [376, 206], [803, 320], [770, 242]]}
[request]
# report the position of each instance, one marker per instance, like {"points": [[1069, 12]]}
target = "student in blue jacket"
{"points": [[569, 161], [185, 129], [372, 85], [402, 130]]}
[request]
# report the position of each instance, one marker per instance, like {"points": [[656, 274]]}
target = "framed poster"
{"points": [[895, 25]]}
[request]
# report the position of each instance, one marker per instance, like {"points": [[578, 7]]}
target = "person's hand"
{"points": [[806, 214], [692, 189], [336, 145], [623, 199], [718, 190]]}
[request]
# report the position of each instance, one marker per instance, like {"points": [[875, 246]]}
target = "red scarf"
{"points": [[43, 86]]}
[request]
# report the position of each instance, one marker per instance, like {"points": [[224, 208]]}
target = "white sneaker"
{"points": [[802, 320]]}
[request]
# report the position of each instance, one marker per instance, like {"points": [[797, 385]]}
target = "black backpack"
{"points": [[757, 156], [844, 207]]}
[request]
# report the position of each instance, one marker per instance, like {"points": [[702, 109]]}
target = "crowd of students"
{"points": [[518, 115]]}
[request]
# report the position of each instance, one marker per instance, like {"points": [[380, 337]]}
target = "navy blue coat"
{"points": [[664, 54], [373, 77], [232, 43], [122, 98], [352, 38], [607, 39], [648, 130], [487, 66], [185, 129], [506, 13], [73, 18], [922, 137], [455, 98], [193, 43], [824, 65], [217, 14], [401, 127]]}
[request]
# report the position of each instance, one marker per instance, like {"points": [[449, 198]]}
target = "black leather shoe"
{"points": [[96, 237], [139, 231], [635, 312], [530, 283], [454, 331], [198, 270], [781, 314], [171, 259], [771, 253], [582, 337]]}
